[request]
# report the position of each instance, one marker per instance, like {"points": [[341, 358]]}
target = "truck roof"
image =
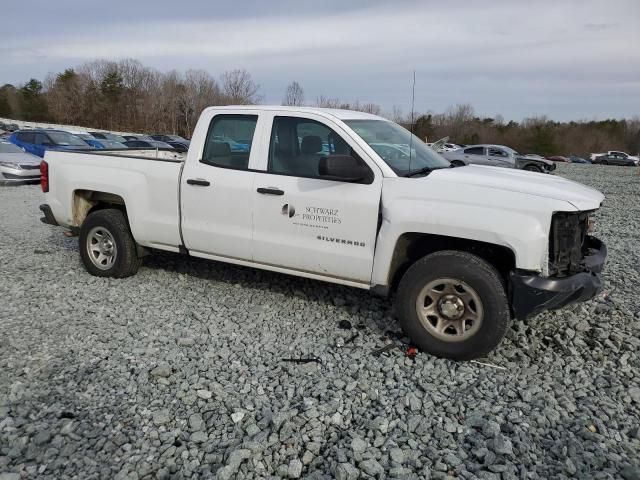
{"points": [[334, 112]]}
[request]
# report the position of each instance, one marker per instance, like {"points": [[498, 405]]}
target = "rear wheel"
{"points": [[453, 304], [532, 168], [107, 247]]}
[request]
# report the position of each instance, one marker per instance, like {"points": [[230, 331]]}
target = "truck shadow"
{"points": [[353, 301]]}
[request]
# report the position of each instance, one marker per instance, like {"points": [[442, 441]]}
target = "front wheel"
{"points": [[533, 168], [457, 163], [453, 304], [107, 247]]}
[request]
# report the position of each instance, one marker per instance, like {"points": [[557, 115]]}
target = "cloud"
{"points": [[491, 54]]}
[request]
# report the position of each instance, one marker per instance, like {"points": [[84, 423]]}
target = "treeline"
{"points": [[128, 96]]}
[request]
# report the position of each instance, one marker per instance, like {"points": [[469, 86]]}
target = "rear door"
{"points": [[308, 223], [27, 141], [217, 187]]}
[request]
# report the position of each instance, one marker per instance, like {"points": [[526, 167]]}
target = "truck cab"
{"points": [[310, 192]]}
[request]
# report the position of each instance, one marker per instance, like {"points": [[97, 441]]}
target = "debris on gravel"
{"points": [[178, 372]]}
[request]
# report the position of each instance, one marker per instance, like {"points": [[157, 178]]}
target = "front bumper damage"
{"points": [[532, 293]]}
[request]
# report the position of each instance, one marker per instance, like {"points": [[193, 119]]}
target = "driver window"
{"points": [[299, 146]]}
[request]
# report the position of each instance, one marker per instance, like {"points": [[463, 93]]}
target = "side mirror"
{"points": [[343, 168]]}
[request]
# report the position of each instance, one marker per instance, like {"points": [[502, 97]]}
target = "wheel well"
{"points": [[87, 201], [411, 247], [537, 167]]}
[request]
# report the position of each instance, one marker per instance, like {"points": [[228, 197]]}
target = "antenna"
{"points": [[413, 99]]}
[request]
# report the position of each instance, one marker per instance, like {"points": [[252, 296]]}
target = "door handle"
{"points": [[270, 191], [198, 181]]}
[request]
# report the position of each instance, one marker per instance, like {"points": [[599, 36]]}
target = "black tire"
{"points": [[532, 168], [457, 163], [475, 273], [126, 261], [604, 162]]}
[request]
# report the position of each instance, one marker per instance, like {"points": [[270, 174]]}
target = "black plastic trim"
{"points": [[532, 293], [48, 215]]}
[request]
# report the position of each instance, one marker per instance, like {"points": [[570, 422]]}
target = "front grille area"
{"points": [[567, 243]]}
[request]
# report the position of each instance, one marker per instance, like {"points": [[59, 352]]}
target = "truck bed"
{"points": [[146, 182]]}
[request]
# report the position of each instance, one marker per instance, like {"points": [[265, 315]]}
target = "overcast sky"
{"points": [[569, 59]]}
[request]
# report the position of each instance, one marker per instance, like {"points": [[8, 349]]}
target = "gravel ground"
{"points": [[178, 372]]}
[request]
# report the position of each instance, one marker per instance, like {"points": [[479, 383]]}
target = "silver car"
{"points": [[497, 156], [17, 166]]}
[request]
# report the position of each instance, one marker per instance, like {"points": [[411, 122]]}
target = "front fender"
{"points": [[519, 222]]}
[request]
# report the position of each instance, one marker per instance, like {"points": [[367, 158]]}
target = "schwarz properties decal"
{"points": [[314, 217]]}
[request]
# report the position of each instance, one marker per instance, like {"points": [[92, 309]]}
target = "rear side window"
{"points": [[27, 137], [229, 139], [474, 151]]}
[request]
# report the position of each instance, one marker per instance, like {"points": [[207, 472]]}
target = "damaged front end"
{"points": [[575, 262]]}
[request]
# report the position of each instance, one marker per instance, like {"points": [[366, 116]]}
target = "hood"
{"points": [[21, 158], [530, 183]]}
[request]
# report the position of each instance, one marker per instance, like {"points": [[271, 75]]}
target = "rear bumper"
{"points": [[532, 294], [48, 215]]}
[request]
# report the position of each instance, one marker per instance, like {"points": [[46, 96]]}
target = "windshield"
{"points": [[114, 137], [63, 138], [6, 147], [401, 150], [112, 144]]}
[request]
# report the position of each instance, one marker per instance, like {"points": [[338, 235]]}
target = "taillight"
{"points": [[44, 176]]}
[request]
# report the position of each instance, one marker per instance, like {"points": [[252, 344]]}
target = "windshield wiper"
{"points": [[420, 171]]}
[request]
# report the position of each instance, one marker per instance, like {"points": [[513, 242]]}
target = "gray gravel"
{"points": [[178, 373]]}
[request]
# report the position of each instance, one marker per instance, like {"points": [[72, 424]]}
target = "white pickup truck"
{"points": [[302, 191]]}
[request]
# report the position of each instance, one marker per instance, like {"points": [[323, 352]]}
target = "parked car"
{"points": [[558, 158], [11, 127], [144, 138], [169, 138], [617, 158], [113, 145], [462, 249], [617, 153], [180, 146], [147, 144], [450, 147], [39, 141], [108, 136], [16, 165], [87, 137], [497, 156], [576, 159]]}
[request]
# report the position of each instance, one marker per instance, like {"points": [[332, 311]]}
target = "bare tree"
{"points": [[238, 88], [294, 95], [325, 102]]}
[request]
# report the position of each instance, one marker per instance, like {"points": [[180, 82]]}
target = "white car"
{"points": [[623, 156], [464, 249], [17, 166]]}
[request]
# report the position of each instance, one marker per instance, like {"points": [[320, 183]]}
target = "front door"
{"points": [[499, 158], [308, 223], [216, 189], [476, 155]]}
